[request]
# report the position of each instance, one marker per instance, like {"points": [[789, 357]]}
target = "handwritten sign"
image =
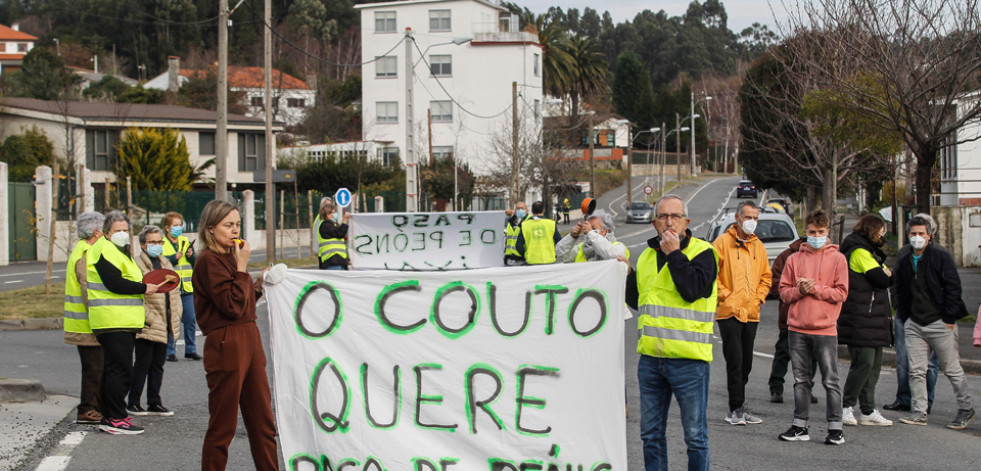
{"points": [[499, 369], [427, 241]]}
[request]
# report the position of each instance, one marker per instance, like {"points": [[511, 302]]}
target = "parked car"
{"points": [[787, 205], [746, 188], [776, 230], [639, 211]]}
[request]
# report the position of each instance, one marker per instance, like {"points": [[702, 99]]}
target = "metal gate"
{"points": [[22, 223]]}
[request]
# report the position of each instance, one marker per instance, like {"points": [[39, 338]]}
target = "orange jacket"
{"points": [[744, 277]]}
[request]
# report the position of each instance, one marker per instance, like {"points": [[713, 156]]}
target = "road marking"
{"points": [[764, 355], [717, 213], [624, 196], [15, 281], [61, 455], [32, 273]]}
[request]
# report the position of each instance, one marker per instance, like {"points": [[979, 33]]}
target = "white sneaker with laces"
{"points": [[848, 416], [875, 418]]}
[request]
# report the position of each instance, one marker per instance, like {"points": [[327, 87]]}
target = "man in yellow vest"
{"points": [[536, 244], [674, 290], [178, 250], [78, 331], [513, 232]]}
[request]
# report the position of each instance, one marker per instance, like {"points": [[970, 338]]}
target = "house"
{"points": [[370, 151], [610, 136], [292, 97], [89, 131], [14, 45], [465, 56], [959, 210]]}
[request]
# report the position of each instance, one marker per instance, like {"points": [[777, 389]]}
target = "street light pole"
{"points": [[630, 158], [692, 114]]}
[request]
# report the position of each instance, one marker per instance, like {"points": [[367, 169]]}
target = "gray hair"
{"points": [[605, 218], [671, 196], [931, 223], [147, 230], [112, 217], [325, 201], [88, 222], [750, 203]]}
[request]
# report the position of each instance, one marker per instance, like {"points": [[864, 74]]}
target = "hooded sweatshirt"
{"points": [[815, 313]]}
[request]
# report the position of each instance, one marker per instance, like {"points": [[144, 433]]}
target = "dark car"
{"points": [[639, 211], [746, 188]]}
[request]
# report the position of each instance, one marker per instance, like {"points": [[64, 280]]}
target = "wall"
{"points": [[956, 235]]}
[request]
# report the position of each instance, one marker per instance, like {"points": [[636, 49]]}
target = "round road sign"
{"points": [[648, 190], [342, 198]]}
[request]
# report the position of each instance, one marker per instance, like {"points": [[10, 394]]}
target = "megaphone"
{"points": [[588, 206]]}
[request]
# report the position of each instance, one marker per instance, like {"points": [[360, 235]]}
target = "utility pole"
{"points": [[677, 144], [630, 158], [694, 171], [664, 156], [411, 163], [221, 134], [592, 169], [515, 168], [270, 144]]}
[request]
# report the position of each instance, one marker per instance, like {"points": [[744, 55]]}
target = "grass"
{"points": [[32, 303]]}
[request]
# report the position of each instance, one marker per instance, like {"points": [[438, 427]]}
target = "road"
{"points": [[174, 443]]}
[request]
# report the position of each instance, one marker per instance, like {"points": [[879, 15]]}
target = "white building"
{"points": [[465, 55], [371, 151], [14, 45], [960, 165]]}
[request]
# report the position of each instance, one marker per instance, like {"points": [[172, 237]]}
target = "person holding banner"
{"points": [[674, 288], [234, 360], [591, 240], [513, 232], [536, 244], [331, 241]]}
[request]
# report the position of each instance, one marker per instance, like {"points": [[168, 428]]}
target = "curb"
{"points": [[21, 390], [971, 367], [49, 323]]}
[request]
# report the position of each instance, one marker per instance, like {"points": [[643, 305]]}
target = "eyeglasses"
{"points": [[665, 217]]}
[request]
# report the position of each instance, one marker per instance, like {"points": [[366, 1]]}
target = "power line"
{"points": [[450, 96], [156, 19]]}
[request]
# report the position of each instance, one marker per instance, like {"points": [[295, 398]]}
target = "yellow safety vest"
{"points": [[671, 327], [76, 316], [581, 256], [511, 242], [330, 247], [108, 310], [183, 267], [539, 241]]}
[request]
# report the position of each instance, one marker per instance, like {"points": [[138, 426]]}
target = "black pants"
{"points": [[148, 369], [91, 358], [117, 367], [737, 348]]}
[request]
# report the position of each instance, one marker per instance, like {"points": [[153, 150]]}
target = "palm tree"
{"points": [[557, 65], [589, 71]]}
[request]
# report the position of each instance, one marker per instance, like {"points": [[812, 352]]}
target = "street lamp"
{"points": [[678, 130], [649, 141], [693, 116]]}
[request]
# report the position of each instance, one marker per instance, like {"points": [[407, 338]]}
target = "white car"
{"points": [[776, 230]]}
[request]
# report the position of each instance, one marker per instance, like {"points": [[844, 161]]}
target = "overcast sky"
{"points": [[742, 13]]}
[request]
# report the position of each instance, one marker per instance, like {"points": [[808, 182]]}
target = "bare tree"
{"points": [[915, 66]]}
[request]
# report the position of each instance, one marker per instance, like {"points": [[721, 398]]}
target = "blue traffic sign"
{"points": [[342, 198]]}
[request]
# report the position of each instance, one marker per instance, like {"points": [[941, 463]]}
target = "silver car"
{"points": [[776, 230], [639, 211]]}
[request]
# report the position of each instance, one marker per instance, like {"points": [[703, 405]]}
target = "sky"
{"points": [[742, 13]]}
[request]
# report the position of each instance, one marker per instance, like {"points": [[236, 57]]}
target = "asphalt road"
{"points": [[175, 443]]}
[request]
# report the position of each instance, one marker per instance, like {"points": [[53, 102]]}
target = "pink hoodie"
{"points": [[817, 312]]}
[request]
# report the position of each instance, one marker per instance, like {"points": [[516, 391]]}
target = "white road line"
{"points": [[764, 355], [717, 213], [32, 273], [15, 281], [61, 455], [624, 196]]}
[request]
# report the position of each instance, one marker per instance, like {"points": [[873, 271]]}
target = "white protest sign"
{"points": [[499, 369], [427, 241]]}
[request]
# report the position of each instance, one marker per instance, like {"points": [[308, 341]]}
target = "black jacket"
{"points": [[866, 316], [943, 283], [694, 278]]}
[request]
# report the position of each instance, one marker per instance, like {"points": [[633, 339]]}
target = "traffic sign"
{"points": [[342, 198], [648, 190]]}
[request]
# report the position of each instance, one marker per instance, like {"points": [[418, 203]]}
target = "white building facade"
{"points": [[466, 54], [960, 165]]}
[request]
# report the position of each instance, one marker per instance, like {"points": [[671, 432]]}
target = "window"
{"points": [[206, 143], [251, 152], [442, 111], [387, 112], [439, 20], [384, 21], [257, 101], [441, 65], [948, 162], [100, 149], [443, 152], [386, 66], [538, 108], [388, 155], [295, 102], [537, 71], [21, 47]]}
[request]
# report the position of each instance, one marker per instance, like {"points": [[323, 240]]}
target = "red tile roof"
{"points": [[9, 34], [252, 77], [10, 57]]}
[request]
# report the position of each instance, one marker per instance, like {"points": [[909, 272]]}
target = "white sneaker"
{"points": [[875, 418], [848, 417]]}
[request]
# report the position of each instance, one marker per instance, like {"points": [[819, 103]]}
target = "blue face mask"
{"points": [[521, 214], [154, 250], [176, 231], [816, 242]]}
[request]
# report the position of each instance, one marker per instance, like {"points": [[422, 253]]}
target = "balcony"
{"points": [[500, 37]]}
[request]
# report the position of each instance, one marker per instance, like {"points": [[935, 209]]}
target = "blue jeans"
{"points": [[903, 393], [190, 328], [335, 267], [688, 381]]}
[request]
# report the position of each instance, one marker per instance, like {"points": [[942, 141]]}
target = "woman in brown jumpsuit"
{"points": [[234, 361]]}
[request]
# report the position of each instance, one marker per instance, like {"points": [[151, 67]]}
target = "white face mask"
{"points": [[917, 242], [121, 239], [749, 226]]}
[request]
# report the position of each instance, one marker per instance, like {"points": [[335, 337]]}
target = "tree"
{"points": [[557, 63], [200, 91], [155, 159], [438, 182], [108, 89], [588, 74], [23, 153], [42, 75], [633, 95]]}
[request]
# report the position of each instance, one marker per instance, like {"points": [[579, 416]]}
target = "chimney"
{"points": [[15, 26], [173, 73]]}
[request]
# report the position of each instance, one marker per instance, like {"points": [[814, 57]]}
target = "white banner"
{"points": [[427, 241], [499, 369]]}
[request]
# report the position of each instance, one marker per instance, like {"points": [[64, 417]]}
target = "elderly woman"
{"points": [[116, 314], [234, 361], [177, 248], [163, 315], [78, 331], [591, 240], [330, 238]]}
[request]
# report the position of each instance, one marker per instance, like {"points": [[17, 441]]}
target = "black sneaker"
{"points": [[120, 426], [814, 399], [159, 411], [776, 398], [896, 406], [136, 410], [835, 437], [193, 356], [172, 357], [795, 434], [963, 418]]}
